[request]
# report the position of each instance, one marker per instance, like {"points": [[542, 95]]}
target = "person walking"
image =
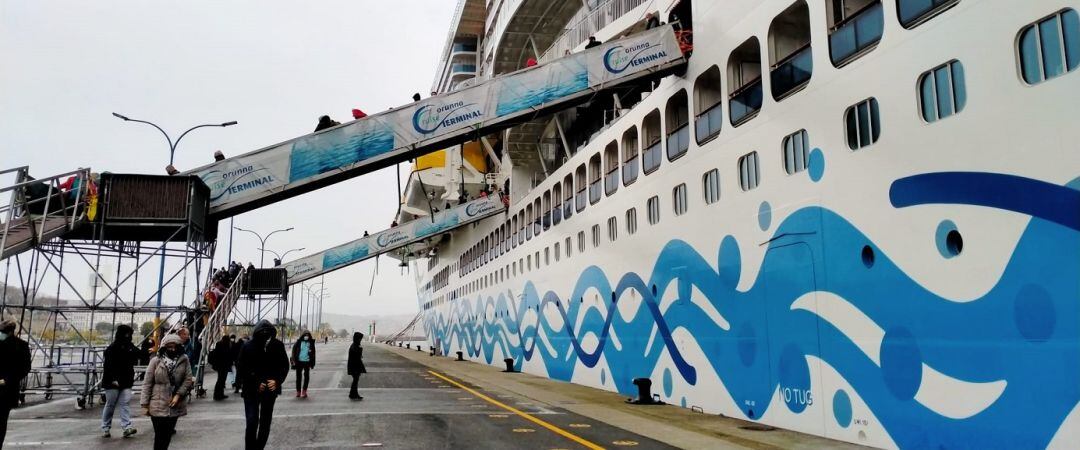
{"points": [[239, 345], [356, 363], [117, 377], [15, 354], [302, 361], [262, 368], [165, 389], [221, 361]]}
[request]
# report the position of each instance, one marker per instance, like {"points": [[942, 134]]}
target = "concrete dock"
{"points": [[416, 401]]}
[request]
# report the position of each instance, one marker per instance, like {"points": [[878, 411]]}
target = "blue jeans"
{"points": [[114, 397]]}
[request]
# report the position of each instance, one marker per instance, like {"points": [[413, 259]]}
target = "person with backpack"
{"points": [[117, 377], [302, 361], [220, 360], [165, 389], [356, 364]]}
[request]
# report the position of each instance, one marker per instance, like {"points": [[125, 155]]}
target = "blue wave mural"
{"points": [[517, 94], [1025, 330], [335, 149]]}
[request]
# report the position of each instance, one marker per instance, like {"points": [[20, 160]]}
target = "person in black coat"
{"points": [[221, 360], [303, 360], [356, 363], [326, 122], [117, 377], [236, 361], [15, 355], [262, 368]]}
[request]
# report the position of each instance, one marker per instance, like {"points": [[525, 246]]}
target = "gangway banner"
{"points": [[289, 166], [389, 240]]}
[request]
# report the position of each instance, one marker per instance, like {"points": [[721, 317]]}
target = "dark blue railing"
{"points": [[911, 11], [629, 171], [579, 200], [464, 48], [464, 68], [568, 209], [708, 123], [611, 181], [651, 158], [678, 142], [858, 32], [547, 220], [745, 102], [556, 214], [793, 72]]}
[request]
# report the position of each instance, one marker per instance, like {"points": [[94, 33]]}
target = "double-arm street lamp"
{"points": [[281, 256], [173, 144], [262, 241]]}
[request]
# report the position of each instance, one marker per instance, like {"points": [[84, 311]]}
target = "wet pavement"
{"points": [[406, 405]]}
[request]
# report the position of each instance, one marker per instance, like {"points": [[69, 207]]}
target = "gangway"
{"points": [[316, 160], [40, 210], [390, 240]]}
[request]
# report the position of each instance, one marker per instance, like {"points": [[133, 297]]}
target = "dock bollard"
{"points": [[644, 386], [459, 356], [418, 348], [432, 351], [408, 346], [509, 365]]}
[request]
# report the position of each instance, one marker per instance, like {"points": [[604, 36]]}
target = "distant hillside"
{"points": [[384, 325]]}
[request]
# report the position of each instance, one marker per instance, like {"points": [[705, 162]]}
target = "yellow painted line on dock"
{"points": [[526, 416]]}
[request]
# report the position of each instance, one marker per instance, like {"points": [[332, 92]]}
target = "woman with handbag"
{"points": [[165, 388]]}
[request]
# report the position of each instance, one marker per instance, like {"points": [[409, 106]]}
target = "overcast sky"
{"points": [[273, 66]]}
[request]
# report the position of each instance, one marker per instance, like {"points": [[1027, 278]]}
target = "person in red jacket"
{"points": [[358, 114]]}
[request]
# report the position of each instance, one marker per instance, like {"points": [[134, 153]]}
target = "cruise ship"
{"points": [[858, 219]]}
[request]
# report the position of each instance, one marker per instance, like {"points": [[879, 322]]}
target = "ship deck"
{"points": [[413, 400]]}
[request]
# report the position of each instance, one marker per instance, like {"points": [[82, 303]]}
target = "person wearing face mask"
{"points": [[117, 378], [165, 389], [262, 368], [14, 365], [303, 360]]}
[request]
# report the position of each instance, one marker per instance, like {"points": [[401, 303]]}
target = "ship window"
{"points": [[569, 247], [631, 221], [528, 221], [744, 81], [863, 124], [942, 91], [556, 252], [630, 156], [796, 152], [650, 130], [536, 219], [568, 196], [678, 199], [749, 171], [594, 179], [1050, 47], [547, 210], [790, 58], [710, 184], [612, 229], [547, 256], [653, 205], [709, 115], [556, 207], [677, 115], [611, 168], [855, 28], [595, 236], [521, 224], [582, 186], [538, 259], [581, 242], [914, 12]]}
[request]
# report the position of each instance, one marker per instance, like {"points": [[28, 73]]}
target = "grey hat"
{"points": [[172, 338]]}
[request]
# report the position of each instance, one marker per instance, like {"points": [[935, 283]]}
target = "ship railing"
{"points": [[587, 24]]}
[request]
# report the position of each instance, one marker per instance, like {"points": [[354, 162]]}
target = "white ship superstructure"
{"points": [[852, 218]]}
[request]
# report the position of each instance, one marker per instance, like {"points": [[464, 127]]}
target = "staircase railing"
{"points": [[35, 209], [216, 323]]}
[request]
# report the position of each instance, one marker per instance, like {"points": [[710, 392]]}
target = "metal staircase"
{"points": [[215, 325], [39, 210]]}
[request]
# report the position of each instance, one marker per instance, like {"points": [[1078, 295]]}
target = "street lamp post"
{"points": [[281, 256], [262, 242], [262, 256], [172, 154]]}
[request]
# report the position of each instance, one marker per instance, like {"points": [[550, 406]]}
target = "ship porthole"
{"points": [[868, 256]]}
